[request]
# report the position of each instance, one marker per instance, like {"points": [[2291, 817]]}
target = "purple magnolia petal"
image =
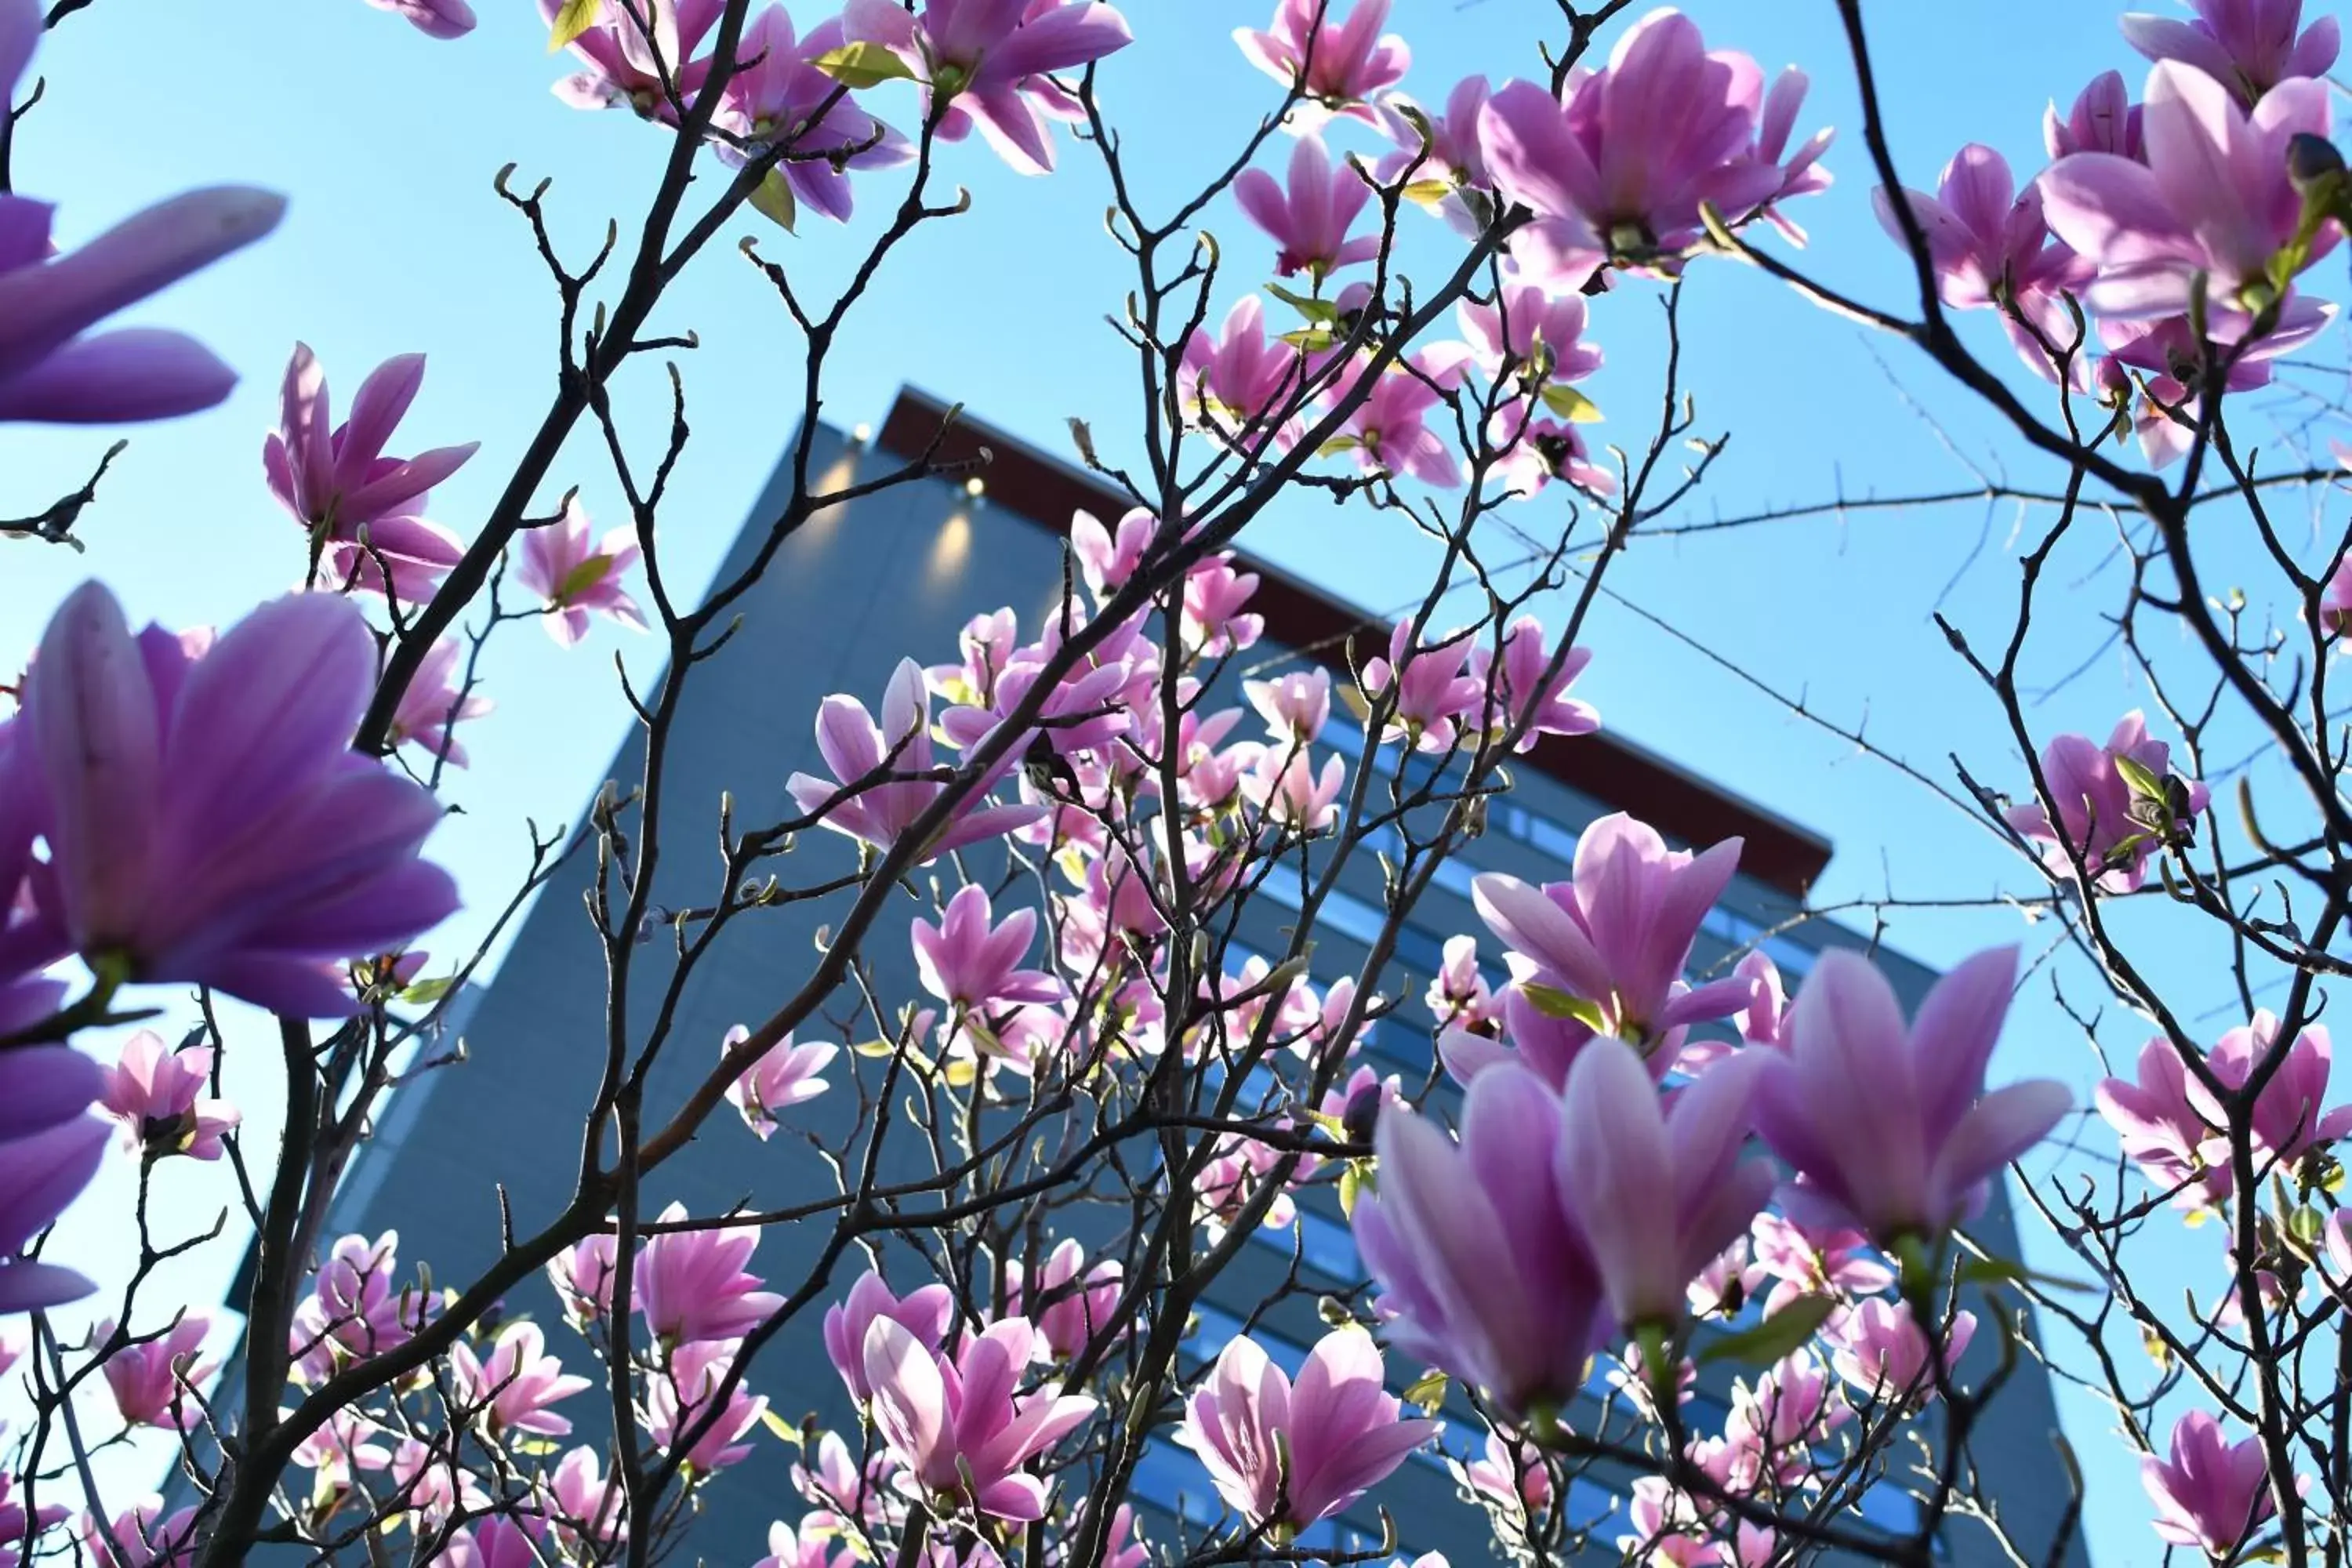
{"points": [[120, 377]]}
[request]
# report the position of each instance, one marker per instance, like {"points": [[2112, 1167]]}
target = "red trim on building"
{"points": [[1025, 480]]}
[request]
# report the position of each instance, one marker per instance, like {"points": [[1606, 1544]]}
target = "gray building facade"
{"points": [[852, 593]]}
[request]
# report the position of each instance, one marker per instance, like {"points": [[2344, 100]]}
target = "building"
{"points": [[852, 593]]}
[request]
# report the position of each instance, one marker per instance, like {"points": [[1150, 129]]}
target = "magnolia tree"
{"points": [[1614, 1168]]}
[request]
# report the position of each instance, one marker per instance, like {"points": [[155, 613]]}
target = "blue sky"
{"points": [[386, 143]]}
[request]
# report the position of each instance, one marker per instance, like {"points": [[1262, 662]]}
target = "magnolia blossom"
{"points": [[364, 511], [1285, 786], [582, 1277], [1656, 1193], [1512, 1473], [585, 1504], [573, 577], [974, 965], [925, 1314], [685, 1393], [987, 60], [1289, 1453], [2118, 804], [1309, 219], [819, 1543], [642, 61], [2103, 118], [434, 704], [1814, 1260], [1336, 66], [207, 821], [2197, 226], [50, 372], [1388, 431], [150, 1380], [1993, 250], [158, 1095], [1296, 704], [861, 753], [2289, 1116], [2249, 46], [355, 1308], [1540, 336], [1239, 376], [1442, 154], [1610, 946], [1611, 178], [957, 1421], [1458, 994], [1889, 1127], [516, 1387], [1881, 1351], [1536, 449], [1522, 687], [1764, 1020], [1432, 690], [777, 96], [1215, 622], [1107, 560], [2211, 1492], [148, 1540], [1484, 1271], [1067, 1311], [691, 1285], [434, 18], [786, 1076]]}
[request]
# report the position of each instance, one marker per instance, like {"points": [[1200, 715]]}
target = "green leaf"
{"points": [[582, 578], [1554, 1003], [1775, 1337], [2307, 1225], [1314, 340], [774, 200], [1428, 1390], [431, 990], [1351, 1185], [1571, 405], [781, 1428], [573, 19], [863, 65], [1428, 193], [1322, 312], [2141, 779], [1336, 445]]}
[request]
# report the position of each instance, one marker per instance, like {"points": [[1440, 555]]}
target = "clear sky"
{"points": [[386, 142]]}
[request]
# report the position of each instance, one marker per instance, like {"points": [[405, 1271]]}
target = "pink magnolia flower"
{"points": [[1068, 1311], [432, 1487], [206, 819], [1290, 1453], [1239, 1167], [1108, 561], [364, 511], [925, 1313], [2164, 1130], [1447, 166], [691, 1285], [958, 1424], [434, 18], [1993, 250], [987, 643], [1889, 1127], [1431, 690], [1287, 787], [1511, 1472], [1122, 1546], [639, 60], [821, 1541], [2212, 1492], [1776, 1423], [1658, 1193], [13, 1520], [1338, 65], [518, 1385], [1722, 1288], [1308, 219], [779, 98], [1388, 431], [150, 1380], [1764, 1020], [2289, 1118], [1616, 939], [1484, 1271], [49, 371], [1880, 1349], [787, 1075], [1814, 1260], [2206, 214], [1458, 995], [574, 578], [336, 1452], [1522, 687], [48, 1155], [2117, 803], [584, 1504], [1541, 335], [2103, 118], [158, 1095], [2172, 358], [858, 750], [1536, 449], [990, 60], [1296, 704], [1238, 377], [975, 966], [356, 1308], [1614, 175], [2335, 599], [582, 1277], [1215, 622], [2248, 46], [688, 1391], [148, 1540], [433, 706], [498, 1541]]}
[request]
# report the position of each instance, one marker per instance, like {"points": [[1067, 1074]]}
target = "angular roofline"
{"points": [[1046, 491]]}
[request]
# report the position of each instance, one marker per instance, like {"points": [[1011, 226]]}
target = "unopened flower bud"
{"points": [[1362, 1113]]}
